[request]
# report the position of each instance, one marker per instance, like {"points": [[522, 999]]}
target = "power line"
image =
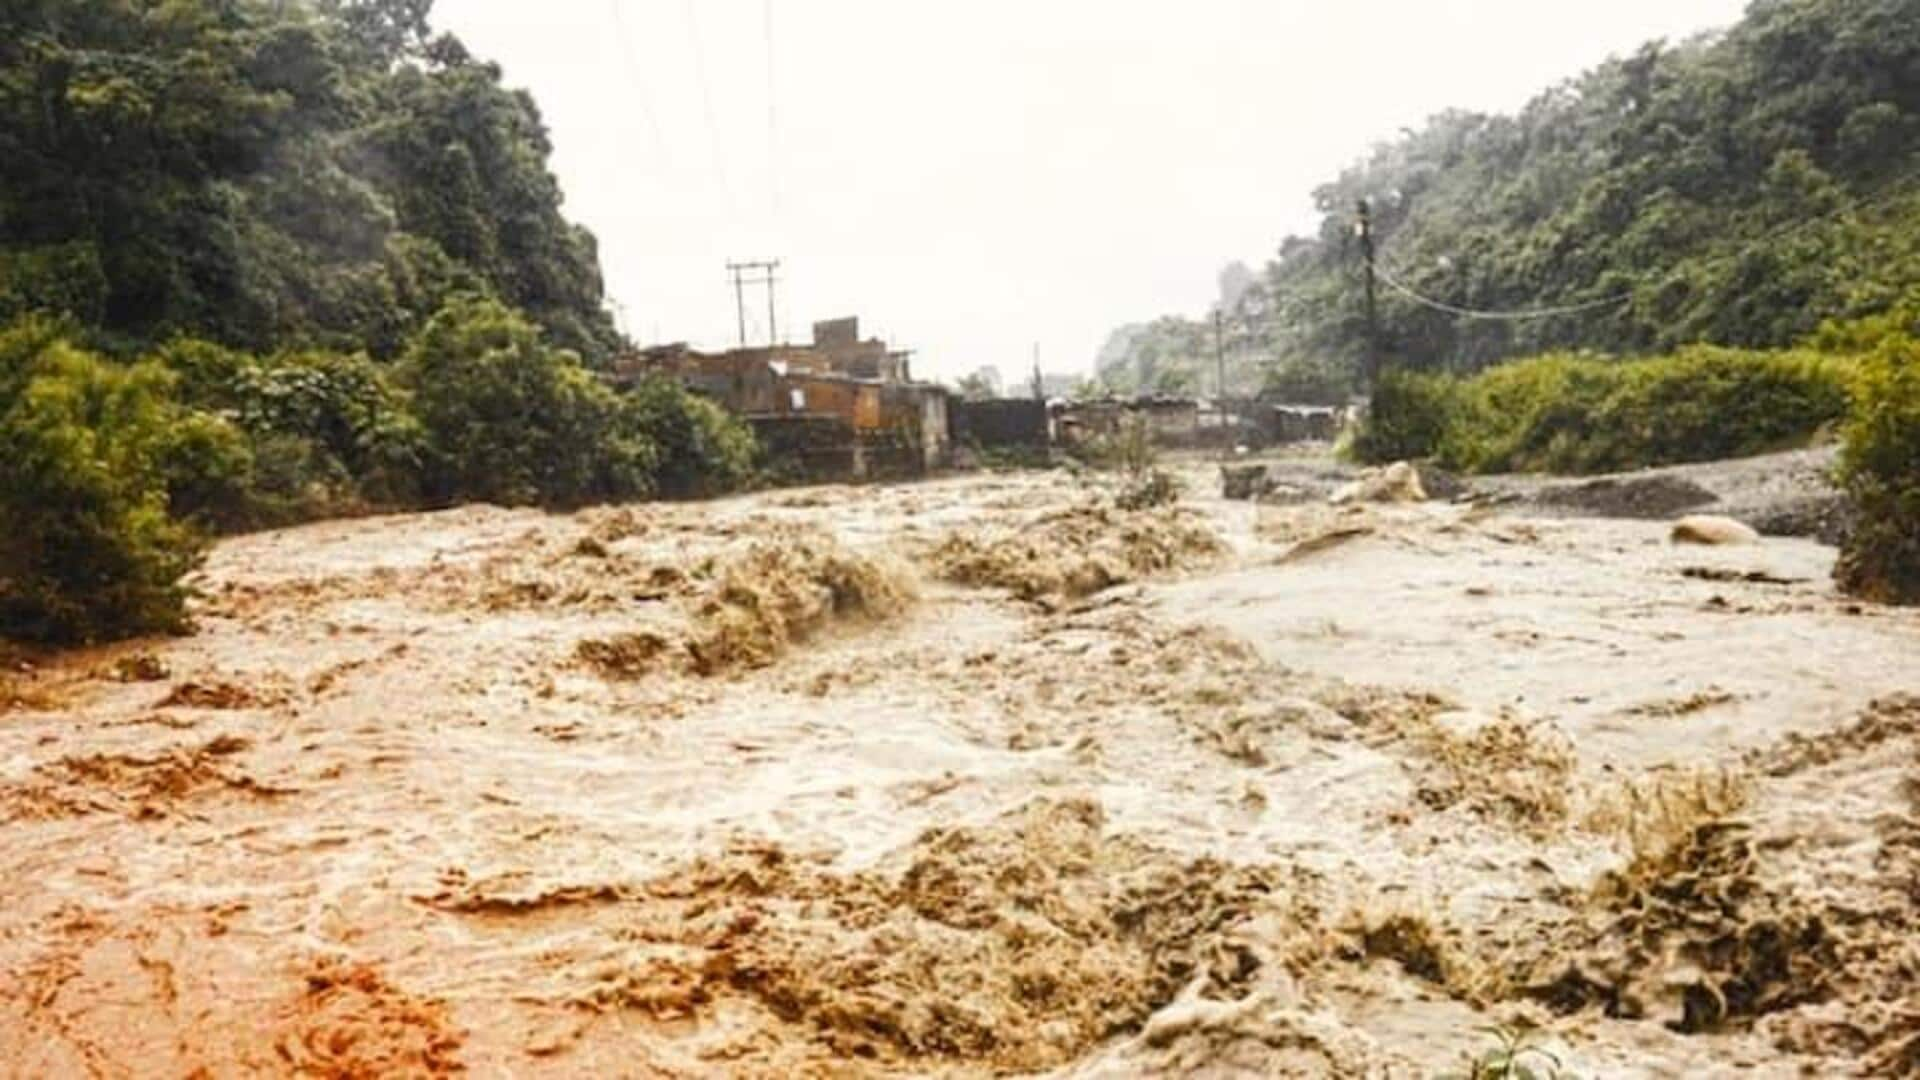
{"points": [[773, 126], [1393, 283], [706, 100], [1776, 236], [1894, 190], [633, 68], [1368, 252]]}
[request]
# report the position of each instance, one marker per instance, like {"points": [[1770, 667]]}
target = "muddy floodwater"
{"points": [[979, 776]]}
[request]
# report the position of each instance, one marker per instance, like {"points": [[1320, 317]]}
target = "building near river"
{"points": [[846, 400]]}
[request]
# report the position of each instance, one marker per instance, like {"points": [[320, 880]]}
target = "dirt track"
{"points": [[976, 776]]}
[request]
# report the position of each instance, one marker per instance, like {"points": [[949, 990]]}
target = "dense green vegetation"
{"points": [[1580, 414], [114, 472], [263, 261], [87, 452], [1568, 413], [1740, 212], [1737, 189], [1880, 463], [269, 175]]}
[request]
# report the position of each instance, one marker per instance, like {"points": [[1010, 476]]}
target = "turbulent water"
{"points": [[978, 776]]}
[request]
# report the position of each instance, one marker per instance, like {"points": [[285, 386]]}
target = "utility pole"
{"points": [[768, 278], [1364, 229], [1220, 364], [739, 300], [1039, 384], [773, 324]]}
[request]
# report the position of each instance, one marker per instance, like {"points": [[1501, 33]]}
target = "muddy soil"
{"points": [[974, 777]]}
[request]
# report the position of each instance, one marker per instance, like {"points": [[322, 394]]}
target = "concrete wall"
{"points": [[836, 333], [807, 448], [1002, 422], [1306, 424], [1172, 421], [936, 431]]}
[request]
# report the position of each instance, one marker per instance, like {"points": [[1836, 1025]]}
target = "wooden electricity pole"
{"points": [[1364, 229], [1220, 364], [739, 300], [770, 279]]}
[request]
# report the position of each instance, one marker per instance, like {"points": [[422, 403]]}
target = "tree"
{"points": [[90, 551], [262, 173], [1736, 189], [974, 387], [511, 419]]}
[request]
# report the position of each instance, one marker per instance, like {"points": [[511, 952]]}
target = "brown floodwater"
{"points": [[980, 776]]}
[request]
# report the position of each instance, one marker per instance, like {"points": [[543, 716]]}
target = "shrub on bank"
{"points": [[1880, 471], [113, 473], [1407, 419], [327, 433], [511, 420], [1582, 414], [702, 449], [88, 451]]}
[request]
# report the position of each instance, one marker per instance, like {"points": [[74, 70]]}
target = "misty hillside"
{"points": [[267, 174], [1737, 189]]}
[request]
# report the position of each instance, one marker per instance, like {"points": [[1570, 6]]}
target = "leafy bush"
{"points": [[210, 470], [364, 442], [703, 450], [1408, 417], [1880, 470], [1581, 414], [325, 433], [87, 447], [509, 419], [111, 474], [1853, 337]]}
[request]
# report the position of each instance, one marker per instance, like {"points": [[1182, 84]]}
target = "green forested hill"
{"points": [[263, 261], [1736, 189], [268, 174]]}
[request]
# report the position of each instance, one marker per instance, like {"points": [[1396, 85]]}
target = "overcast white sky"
{"points": [[974, 178]]}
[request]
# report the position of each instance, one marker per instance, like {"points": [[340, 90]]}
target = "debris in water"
{"points": [[1077, 551]]}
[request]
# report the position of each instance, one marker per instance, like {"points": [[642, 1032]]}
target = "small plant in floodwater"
{"points": [[1518, 1056], [1146, 491], [1127, 449], [1144, 486]]}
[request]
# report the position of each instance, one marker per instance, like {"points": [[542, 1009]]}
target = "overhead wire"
{"points": [[1774, 237], [773, 125], [1496, 316], [706, 101], [633, 72], [1896, 188]]}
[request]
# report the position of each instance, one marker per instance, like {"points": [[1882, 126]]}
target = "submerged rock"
{"points": [[1244, 481], [1396, 483], [1712, 529]]}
